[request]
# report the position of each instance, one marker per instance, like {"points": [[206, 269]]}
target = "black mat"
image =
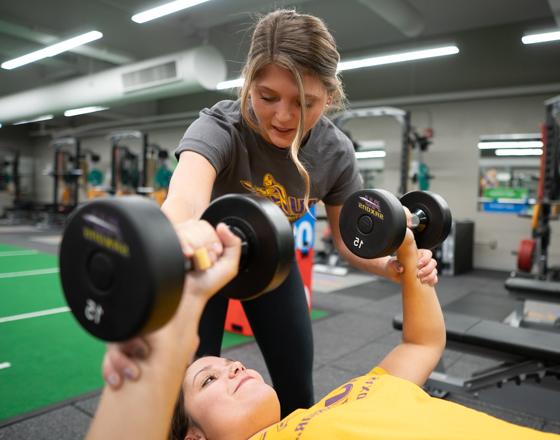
{"points": [[483, 305], [374, 290], [487, 274]]}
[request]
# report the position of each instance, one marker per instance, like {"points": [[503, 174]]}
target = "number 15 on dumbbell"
{"points": [[373, 222]]}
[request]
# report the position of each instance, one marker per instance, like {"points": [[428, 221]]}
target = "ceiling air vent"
{"points": [[150, 76]]}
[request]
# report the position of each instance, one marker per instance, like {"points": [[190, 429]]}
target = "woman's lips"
{"points": [[282, 130], [241, 382]]}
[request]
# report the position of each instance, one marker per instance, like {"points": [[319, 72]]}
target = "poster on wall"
{"points": [[506, 200]]}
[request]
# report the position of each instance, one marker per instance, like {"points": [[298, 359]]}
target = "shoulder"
{"points": [[329, 144], [330, 136], [227, 111]]}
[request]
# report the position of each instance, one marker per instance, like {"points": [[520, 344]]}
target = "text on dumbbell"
{"points": [[93, 311], [358, 242], [371, 211], [106, 241]]}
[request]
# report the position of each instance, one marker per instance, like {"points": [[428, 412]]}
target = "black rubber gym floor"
{"points": [[355, 336]]}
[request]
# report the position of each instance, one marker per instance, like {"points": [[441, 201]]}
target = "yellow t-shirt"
{"points": [[380, 406]]}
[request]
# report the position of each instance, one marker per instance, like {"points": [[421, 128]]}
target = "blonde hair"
{"points": [[303, 45]]}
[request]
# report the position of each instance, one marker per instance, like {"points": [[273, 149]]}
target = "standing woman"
{"points": [[276, 141]]}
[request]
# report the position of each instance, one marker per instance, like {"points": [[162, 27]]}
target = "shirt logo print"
{"points": [[271, 189]]}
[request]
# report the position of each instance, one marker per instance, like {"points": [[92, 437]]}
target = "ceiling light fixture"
{"points": [[37, 119], [166, 9], [371, 61], [519, 152], [398, 57], [509, 144], [541, 38], [230, 84], [369, 154], [51, 51], [84, 110]]}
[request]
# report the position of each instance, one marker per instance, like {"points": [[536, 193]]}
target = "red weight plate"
{"points": [[525, 254]]}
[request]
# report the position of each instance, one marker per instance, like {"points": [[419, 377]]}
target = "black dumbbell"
{"points": [[122, 267], [373, 221]]}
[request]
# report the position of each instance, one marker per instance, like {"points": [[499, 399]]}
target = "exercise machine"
{"points": [[402, 117], [93, 176], [65, 172], [535, 283], [419, 143], [156, 173], [10, 183], [125, 173]]}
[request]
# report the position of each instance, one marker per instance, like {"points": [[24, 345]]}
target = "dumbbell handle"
{"points": [[201, 259], [419, 220]]}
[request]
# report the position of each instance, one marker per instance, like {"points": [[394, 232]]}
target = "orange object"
{"points": [[159, 196], [535, 217], [94, 193], [236, 320]]}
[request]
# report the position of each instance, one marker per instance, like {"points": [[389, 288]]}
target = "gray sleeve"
{"points": [[211, 136], [348, 179]]}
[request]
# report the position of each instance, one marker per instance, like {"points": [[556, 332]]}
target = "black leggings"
{"points": [[282, 327]]}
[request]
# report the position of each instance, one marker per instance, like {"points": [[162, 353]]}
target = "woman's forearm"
{"points": [[190, 188], [143, 409], [179, 208], [376, 266], [423, 322], [153, 396]]}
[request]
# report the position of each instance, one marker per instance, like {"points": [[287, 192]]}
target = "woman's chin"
{"points": [[281, 141]]}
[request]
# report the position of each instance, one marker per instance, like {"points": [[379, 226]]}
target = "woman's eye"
{"points": [[208, 380], [267, 98]]}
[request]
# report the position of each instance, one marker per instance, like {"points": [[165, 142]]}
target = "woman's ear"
{"points": [[194, 433]]}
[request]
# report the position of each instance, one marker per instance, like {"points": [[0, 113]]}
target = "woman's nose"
{"points": [[235, 368], [284, 112]]}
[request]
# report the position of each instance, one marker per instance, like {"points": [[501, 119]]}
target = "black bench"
{"points": [[529, 357], [470, 330], [530, 285]]}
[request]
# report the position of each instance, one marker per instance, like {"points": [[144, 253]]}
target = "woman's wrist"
{"points": [[378, 266]]}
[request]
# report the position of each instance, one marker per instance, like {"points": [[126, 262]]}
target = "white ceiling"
{"points": [[487, 32]]}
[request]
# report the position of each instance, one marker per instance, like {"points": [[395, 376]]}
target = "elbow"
{"points": [[437, 338], [439, 344], [443, 336], [442, 344]]}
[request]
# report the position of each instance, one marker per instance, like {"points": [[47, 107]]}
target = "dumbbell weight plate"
{"points": [[268, 259], [372, 223], [438, 224], [121, 267], [526, 254]]}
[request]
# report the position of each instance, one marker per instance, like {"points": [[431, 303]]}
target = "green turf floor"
{"points": [[51, 358]]}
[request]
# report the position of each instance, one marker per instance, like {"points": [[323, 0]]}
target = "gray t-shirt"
{"points": [[245, 162]]}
